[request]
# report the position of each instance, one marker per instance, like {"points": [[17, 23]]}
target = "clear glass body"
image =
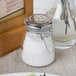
{"points": [[35, 52], [64, 25]]}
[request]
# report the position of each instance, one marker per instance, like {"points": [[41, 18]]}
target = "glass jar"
{"points": [[64, 25], [38, 47]]}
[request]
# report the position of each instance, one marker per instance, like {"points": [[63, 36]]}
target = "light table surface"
{"points": [[64, 64]]}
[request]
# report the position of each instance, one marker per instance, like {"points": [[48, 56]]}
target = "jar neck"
{"points": [[47, 28], [44, 31]]}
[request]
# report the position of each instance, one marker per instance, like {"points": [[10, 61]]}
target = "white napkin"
{"points": [[58, 12], [42, 6], [58, 24]]}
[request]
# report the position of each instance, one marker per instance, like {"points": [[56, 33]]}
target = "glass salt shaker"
{"points": [[38, 49]]}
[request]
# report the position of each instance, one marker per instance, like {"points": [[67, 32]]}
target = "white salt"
{"points": [[34, 51]]}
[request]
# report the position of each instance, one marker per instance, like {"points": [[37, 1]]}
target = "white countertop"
{"points": [[64, 64]]}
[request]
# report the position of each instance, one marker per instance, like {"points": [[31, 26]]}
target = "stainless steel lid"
{"points": [[37, 22]]}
